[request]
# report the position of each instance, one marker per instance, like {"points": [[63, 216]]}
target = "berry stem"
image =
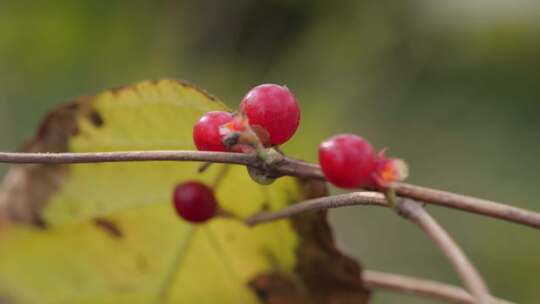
{"points": [[269, 156], [260, 150], [391, 197], [202, 168]]}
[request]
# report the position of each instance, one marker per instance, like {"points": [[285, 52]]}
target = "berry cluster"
{"points": [[269, 115]]}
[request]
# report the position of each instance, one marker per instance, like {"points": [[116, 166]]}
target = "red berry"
{"points": [[206, 133], [348, 161], [194, 202], [273, 108]]}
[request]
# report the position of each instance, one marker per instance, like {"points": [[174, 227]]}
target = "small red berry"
{"points": [[273, 108], [194, 202], [348, 161], [206, 134]]}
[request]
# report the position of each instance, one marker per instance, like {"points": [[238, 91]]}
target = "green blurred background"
{"points": [[451, 86]]}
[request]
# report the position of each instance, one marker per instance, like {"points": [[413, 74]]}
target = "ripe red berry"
{"points": [[194, 202], [206, 133], [348, 161], [273, 108]]}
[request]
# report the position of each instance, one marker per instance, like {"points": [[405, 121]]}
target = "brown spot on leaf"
{"points": [[275, 288], [27, 188], [187, 84], [265, 206], [109, 227], [72, 106], [117, 90], [95, 118], [53, 132], [40, 222]]}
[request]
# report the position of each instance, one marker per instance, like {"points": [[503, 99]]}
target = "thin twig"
{"points": [[470, 277], [471, 204], [409, 285], [334, 201], [287, 166]]}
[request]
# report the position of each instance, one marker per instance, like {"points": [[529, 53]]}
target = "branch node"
{"points": [[408, 208]]}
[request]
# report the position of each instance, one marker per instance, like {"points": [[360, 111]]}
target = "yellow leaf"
{"points": [[107, 233]]}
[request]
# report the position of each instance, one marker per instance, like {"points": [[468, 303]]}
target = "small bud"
{"points": [[260, 176]]}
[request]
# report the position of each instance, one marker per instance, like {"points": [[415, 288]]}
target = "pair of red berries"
{"points": [[269, 110]]}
